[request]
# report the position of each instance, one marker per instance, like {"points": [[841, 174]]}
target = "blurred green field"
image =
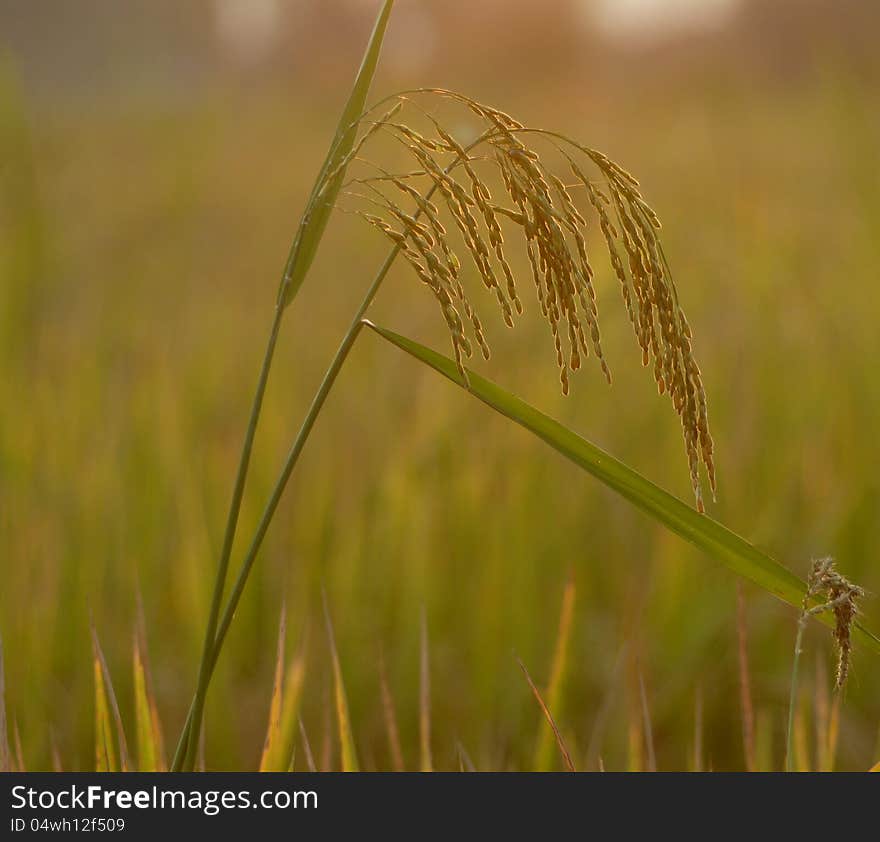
{"points": [[139, 255]]}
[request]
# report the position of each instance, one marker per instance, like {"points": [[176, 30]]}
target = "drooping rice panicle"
{"points": [[555, 228]]}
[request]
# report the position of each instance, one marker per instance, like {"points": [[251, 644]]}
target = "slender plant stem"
{"points": [[342, 352], [806, 613], [792, 700], [231, 524], [187, 745]]}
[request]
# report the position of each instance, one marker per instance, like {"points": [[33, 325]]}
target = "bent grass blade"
{"points": [[717, 540], [320, 205]]}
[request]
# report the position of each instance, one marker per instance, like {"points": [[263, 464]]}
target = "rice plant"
{"points": [[543, 210], [841, 599], [454, 217], [540, 206]]}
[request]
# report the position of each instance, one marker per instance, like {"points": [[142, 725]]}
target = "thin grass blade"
{"points": [[700, 530], [146, 709], [390, 715], [150, 740], [544, 752], [110, 696], [286, 691], [343, 722], [293, 685], [323, 195], [548, 716], [273, 729], [425, 700], [105, 755], [147, 747], [307, 748]]}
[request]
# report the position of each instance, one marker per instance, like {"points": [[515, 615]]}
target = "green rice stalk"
{"points": [[302, 253]]}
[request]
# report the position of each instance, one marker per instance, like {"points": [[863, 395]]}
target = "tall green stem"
{"points": [[186, 749], [793, 693], [231, 524], [188, 741]]}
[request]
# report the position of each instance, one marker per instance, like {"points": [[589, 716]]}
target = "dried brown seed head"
{"points": [[841, 597]]}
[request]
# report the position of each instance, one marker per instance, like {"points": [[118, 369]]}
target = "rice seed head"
{"points": [[540, 205], [841, 597]]}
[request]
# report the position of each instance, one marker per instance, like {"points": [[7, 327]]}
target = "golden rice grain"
{"points": [[554, 227]]}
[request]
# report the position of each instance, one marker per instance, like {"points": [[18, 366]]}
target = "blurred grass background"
{"points": [[154, 159]]}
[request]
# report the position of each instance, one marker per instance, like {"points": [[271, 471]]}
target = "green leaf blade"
{"points": [[717, 540], [323, 195]]}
